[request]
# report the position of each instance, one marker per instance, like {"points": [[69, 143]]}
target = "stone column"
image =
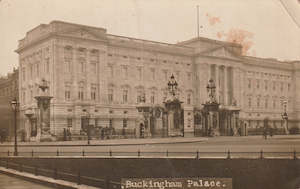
{"points": [[170, 122], [226, 85], [217, 82]]}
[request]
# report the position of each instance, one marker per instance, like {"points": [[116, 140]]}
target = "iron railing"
{"points": [[57, 174], [157, 154]]}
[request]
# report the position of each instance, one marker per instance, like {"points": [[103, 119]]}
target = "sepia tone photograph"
{"points": [[111, 94]]}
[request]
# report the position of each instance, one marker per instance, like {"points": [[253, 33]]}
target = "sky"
{"points": [[265, 25]]}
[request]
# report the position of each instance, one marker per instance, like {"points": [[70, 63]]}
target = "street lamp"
{"points": [[284, 115], [14, 105], [211, 90], [88, 115]]}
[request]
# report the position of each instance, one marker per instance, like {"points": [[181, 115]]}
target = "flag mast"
{"points": [[198, 21]]}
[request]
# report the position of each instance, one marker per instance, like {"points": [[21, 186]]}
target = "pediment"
{"points": [[221, 52], [81, 33]]}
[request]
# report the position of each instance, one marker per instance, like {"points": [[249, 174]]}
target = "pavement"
{"points": [[114, 142], [41, 180]]}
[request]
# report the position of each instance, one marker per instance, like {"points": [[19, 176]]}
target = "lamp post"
{"points": [[172, 85], [88, 115], [14, 105], [211, 90], [285, 117]]}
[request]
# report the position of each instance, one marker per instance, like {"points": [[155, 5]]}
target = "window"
{"points": [[249, 83], [37, 69], [94, 67], [266, 103], [67, 94], [258, 102], [81, 52], [110, 95], [249, 102], [177, 75], [189, 99], [152, 98], [110, 123], [68, 52], [23, 74], [124, 71], [69, 122], [80, 93], [125, 96], [189, 76], [31, 70], [110, 71], [124, 123], [274, 103], [257, 84], [81, 66], [165, 96], [165, 74], [97, 122], [47, 65], [152, 70], [93, 93], [68, 65], [274, 85], [139, 74], [266, 85], [140, 96], [281, 86], [31, 94], [289, 86], [24, 96]]}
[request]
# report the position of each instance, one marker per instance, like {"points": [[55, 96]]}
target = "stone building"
{"points": [[8, 91], [99, 77], [9, 85]]}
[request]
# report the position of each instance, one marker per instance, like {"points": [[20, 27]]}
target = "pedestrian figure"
{"points": [[2, 136], [69, 134], [231, 132], [65, 134], [209, 131], [265, 133], [271, 131], [240, 131], [102, 133]]}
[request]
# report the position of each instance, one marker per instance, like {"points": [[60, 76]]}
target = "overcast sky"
{"points": [[273, 32]]}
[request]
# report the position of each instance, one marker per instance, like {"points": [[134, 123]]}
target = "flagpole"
{"points": [[198, 21]]}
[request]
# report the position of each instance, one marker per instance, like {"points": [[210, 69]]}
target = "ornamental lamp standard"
{"points": [[14, 105], [211, 90], [284, 115], [211, 87], [88, 116], [172, 85]]}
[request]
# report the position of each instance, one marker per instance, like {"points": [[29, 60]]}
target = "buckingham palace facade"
{"points": [[101, 77]]}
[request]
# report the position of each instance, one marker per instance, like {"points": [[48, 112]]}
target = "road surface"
{"points": [[251, 146]]}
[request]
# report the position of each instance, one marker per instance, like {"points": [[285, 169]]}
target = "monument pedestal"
{"points": [[43, 118]]}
